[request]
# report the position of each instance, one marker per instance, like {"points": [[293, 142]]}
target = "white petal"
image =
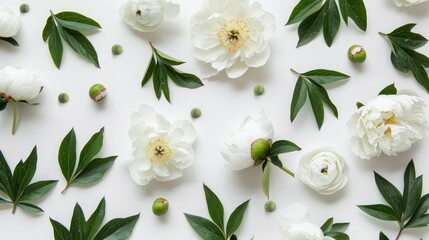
{"points": [[236, 161], [161, 170], [259, 59], [207, 70], [141, 173], [9, 22], [190, 133], [173, 173], [171, 10], [294, 214], [162, 124], [237, 69], [183, 155], [145, 115]]}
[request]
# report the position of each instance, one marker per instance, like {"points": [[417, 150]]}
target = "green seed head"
{"points": [[117, 49], [270, 206], [259, 90], [97, 92], [24, 8], [356, 54], [63, 97], [160, 206], [196, 113]]}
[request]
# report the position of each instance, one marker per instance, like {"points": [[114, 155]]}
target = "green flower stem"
{"points": [[65, 189], [399, 234], [14, 208], [288, 171], [14, 117]]}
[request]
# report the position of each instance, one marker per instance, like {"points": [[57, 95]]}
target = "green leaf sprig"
{"points": [[335, 230], [17, 185], [92, 229], [89, 169], [408, 209], [68, 26], [10, 40], [161, 68], [404, 57], [215, 229], [317, 14], [309, 85]]}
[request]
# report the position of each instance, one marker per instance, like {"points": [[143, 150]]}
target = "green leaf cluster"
{"points": [[315, 15], [335, 230], [309, 85], [68, 26], [408, 209], [389, 90], [92, 229], [89, 169], [18, 187], [404, 57], [161, 68], [215, 229], [10, 40]]}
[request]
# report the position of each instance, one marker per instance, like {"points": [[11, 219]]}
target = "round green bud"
{"points": [[117, 49], [97, 92], [260, 149], [195, 113], [259, 90], [270, 206], [63, 97], [356, 54], [160, 206], [24, 8]]}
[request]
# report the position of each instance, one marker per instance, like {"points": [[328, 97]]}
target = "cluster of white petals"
{"points": [[19, 84], [407, 3], [9, 22]]}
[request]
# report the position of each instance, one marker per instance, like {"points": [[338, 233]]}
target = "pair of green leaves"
{"points": [[10, 40], [404, 57], [68, 26], [408, 209], [89, 169], [161, 68], [17, 185], [309, 85], [335, 230], [82, 229], [317, 14], [215, 229]]}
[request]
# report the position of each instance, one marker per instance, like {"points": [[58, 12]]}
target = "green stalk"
{"points": [[399, 234], [14, 117]]}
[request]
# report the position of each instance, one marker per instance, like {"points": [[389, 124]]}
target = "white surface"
{"points": [[223, 103]]}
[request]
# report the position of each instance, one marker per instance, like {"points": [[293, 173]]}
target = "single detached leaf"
{"points": [[94, 170], [390, 193], [37, 190], [266, 180], [380, 211], [10, 40], [204, 228], [95, 220], [76, 21], [90, 150], [215, 207], [310, 27], [331, 21], [356, 10], [236, 218], [29, 207], [302, 10], [283, 146], [323, 76], [389, 90], [60, 232], [117, 229], [327, 226], [67, 155]]}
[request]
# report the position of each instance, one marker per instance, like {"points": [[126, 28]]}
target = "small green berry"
{"points": [[117, 49], [196, 113], [357, 54], [24, 8], [97, 92], [259, 90], [160, 206], [63, 97], [270, 206]]}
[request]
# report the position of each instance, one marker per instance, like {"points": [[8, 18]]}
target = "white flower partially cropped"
{"points": [[147, 15], [231, 35], [237, 149], [9, 22], [161, 150], [388, 124], [407, 3], [19, 84], [324, 170]]}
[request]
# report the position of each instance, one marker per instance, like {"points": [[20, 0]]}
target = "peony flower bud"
{"points": [[260, 149], [160, 206], [9, 22], [19, 84], [97, 92]]}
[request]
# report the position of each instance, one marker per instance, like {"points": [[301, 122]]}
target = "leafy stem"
{"points": [[14, 117]]}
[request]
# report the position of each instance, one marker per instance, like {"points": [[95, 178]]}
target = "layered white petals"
{"points": [[324, 170], [295, 224], [407, 3], [9, 22], [19, 83], [388, 124]]}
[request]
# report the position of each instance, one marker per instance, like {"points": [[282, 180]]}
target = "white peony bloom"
{"points": [[388, 124], [161, 150], [147, 15], [9, 22], [406, 3], [19, 84], [237, 149], [324, 170], [231, 35]]}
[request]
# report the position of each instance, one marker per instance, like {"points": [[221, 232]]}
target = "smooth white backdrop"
{"points": [[224, 103]]}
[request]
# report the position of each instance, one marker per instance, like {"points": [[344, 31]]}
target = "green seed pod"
{"points": [[356, 54], [196, 113], [260, 149], [63, 97], [270, 206], [97, 92], [259, 90], [160, 206], [24, 8], [117, 49]]}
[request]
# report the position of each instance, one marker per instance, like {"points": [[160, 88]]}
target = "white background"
{"points": [[224, 103]]}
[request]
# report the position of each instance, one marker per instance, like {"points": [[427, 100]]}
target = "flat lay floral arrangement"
{"points": [[214, 119]]}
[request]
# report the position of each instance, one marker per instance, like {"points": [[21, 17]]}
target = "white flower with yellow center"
{"points": [[161, 150], [231, 35]]}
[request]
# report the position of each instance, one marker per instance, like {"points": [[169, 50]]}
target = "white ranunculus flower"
{"points": [[237, 149], [324, 170], [147, 15], [388, 124], [406, 3], [231, 35], [19, 84], [9, 22], [161, 150]]}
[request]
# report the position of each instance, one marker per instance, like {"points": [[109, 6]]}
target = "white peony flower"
{"points": [[147, 15], [406, 3], [231, 35], [388, 124], [237, 149], [9, 22], [19, 84], [324, 170], [161, 150]]}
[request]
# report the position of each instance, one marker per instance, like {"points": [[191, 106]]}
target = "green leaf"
{"points": [[10, 40], [95, 220], [310, 27], [67, 155], [299, 98], [266, 180], [185, 80], [356, 10], [37, 190], [276, 161], [383, 236], [6, 179], [412, 191], [283, 146], [23, 173], [76, 21], [55, 46], [319, 91], [157, 81], [215, 207], [331, 21], [204, 228], [90, 150], [236, 218], [390, 193], [339, 227], [149, 71], [60, 232], [422, 207], [77, 225], [3, 104], [117, 229], [168, 60], [380, 211], [2, 200], [327, 226], [29, 207], [316, 105], [302, 10], [338, 235], [403, 37], [94, 170], [423, 221], [48, 29], [389, 90], [323, 76]]}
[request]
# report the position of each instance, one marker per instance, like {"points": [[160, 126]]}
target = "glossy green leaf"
{"points": [[331, 21], [422, 221], [339, 227], [390, 193], [76, 21], [37, 190], [310, 27], [283, 146], [215, 207], [204, 227], [382, 236], [338, 236], [380, 211], [10, 40], [95, 170], [77, 225], [236, 218], [55, 46], [317, 106], [168, 60], [266, 180], [29, 207], [302, 10], [403, 37], [67, 155], [90, 150], [299, 98], [24, 173], [317, 90], [60, 232], [95, 220], [117, 229], [149, 71], [3, 104], [6, 179], [389, 90], [412, 195], [157, 81], [356, 10], [327, 226], [422, 207], [185, 80], [323, 76], [48, 29]]}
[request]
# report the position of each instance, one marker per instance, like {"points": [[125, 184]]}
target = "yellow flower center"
{"points": [[159, 151], [233, 35], [390, 121]]}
